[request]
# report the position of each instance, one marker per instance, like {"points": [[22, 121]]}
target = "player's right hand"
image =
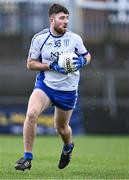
{"points": [[55, 67]]}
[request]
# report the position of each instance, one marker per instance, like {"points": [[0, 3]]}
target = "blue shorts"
{"points": [[65, 100]]}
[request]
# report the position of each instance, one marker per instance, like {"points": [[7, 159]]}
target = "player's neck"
{"points": [[55, 33]]}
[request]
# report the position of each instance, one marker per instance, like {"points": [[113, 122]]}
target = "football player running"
{"points": [[54, 85]]}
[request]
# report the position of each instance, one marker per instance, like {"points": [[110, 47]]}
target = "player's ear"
{"points": [[51, 19]]}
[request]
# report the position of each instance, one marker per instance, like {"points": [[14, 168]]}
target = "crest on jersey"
{"points": [[66, 42]]}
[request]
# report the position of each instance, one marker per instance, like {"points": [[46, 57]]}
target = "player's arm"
{"points": [[83, 58], [35, 65], [88, 57], [33, 61]]}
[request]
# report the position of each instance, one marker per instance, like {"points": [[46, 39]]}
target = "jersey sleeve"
{"points": [[80, 47], [34, 51]]}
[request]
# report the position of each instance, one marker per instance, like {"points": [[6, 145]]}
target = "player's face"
{"points": [[60, 23]]}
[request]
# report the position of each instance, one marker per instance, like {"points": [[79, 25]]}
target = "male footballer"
{"points": [[54, 85]]}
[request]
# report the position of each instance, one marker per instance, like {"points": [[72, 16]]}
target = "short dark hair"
{"points": [[57, 8]]}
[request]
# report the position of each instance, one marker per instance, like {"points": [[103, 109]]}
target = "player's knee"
{"points": [[32, 116], [61, 130]]}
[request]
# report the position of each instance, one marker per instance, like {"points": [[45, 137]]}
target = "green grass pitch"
{"points": [[94, 157]]}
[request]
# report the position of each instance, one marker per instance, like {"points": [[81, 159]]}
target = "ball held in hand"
{"points": [[66, 61]]}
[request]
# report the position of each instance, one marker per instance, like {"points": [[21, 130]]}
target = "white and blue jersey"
{"points": [[44, 44], [60, 88]]}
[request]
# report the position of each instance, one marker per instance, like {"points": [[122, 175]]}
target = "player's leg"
{"points": [[38, 102], [61, 122]]}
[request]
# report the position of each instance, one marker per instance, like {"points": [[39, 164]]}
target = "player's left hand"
{"points": [[79, 62]]}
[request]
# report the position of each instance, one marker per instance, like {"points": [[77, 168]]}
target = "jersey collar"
{"points": [[56, 36]]}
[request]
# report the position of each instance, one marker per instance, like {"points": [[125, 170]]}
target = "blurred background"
{"points": [[103, 105]]}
